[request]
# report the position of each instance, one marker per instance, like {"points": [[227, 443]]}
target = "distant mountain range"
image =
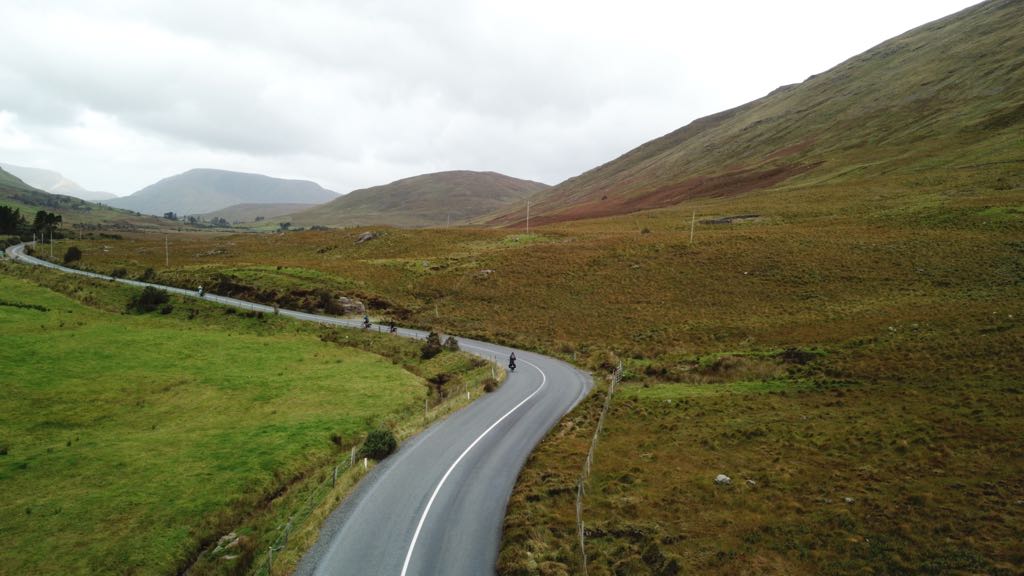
{"points": [[15, 193], [50, 181], [940, 95], [422, 201], [204, 190]]}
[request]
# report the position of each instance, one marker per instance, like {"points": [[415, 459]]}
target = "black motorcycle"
{"points": [[512, 363]]}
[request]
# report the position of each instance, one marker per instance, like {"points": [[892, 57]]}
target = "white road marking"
{"points": [[18, 254], [423, 518]]}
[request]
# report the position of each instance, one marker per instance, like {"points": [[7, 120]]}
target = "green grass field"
{"points": [[129, 440]]}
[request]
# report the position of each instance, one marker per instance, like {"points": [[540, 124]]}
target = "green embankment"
{"points": [[127, 441]]}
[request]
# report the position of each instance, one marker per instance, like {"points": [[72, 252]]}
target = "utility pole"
{"points": [[51, 243], [693, 221], [527, 217], [449, 225], [167, 253]]}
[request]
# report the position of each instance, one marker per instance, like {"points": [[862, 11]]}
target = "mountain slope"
{"points": [[203, 190], [943, 94], [421, 201], [250, 212], [15, 193], [50, 181]]}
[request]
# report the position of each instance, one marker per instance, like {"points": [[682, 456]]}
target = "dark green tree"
{"points": [[72, 255], [46, 222], [379, 443], [11, 220], [431, 347]]}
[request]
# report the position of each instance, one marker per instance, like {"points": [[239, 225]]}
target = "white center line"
{"points": [[416, 535]]}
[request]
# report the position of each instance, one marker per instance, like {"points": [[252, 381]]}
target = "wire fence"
{"points": [[585, 473], [302, 513], [320, 493]]}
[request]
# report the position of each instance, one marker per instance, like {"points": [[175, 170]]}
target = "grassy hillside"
{"points": [[75, 211], [907, 294], [949, 94], [55, 183], [421, 201], [852, 332], [132, 442], [241, 213], [204, 190]]}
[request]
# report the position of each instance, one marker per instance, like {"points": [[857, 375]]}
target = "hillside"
{"points": [[422, 201], [240, 213], [75, 211], [54, 182], [204, 190], [950, 93]]}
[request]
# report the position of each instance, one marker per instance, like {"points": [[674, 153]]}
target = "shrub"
{"points": [[118, 272], [379, 444], [148, 300], [490, 385], [432, 346], [72, 255], [451, 344], [148, 275]]}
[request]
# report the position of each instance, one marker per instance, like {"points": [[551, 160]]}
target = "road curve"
{"points": [[436, 506]]}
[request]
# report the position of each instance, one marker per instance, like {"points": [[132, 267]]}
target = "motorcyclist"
{"points": [[391, 327], [512, 362], [201, 292], [366, 321]]}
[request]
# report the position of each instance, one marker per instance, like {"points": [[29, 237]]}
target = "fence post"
{"points": [[585, 473], [334, 479]]}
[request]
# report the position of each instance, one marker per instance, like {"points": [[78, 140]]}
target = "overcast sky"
{"points": [[355, 93]]}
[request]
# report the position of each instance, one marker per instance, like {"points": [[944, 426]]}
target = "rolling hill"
{"points": [[422, 201], [949, 93], [50, 181], [204, 190], [240, 213], [17, 194]]}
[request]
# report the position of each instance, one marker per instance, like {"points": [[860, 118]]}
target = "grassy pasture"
{"points": [[128, 441], [906, 288]]}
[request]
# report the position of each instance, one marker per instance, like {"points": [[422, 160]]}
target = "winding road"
{"points": [[437, 505]]}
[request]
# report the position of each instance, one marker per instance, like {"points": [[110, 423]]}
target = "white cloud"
{"points": [[119, 94]]}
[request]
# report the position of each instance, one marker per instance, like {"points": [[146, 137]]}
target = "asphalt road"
{"points": [[436, 506]]}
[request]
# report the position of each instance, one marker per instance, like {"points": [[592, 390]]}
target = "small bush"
{"points": [[119, 273], [148, 275], [432, 347], [167, 309], [336, 439], [379, 444], [490, 385], [149, 300], [74, 254], [451, 344]]}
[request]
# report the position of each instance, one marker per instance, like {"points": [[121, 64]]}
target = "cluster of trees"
{"points": [[13, 222], [46, 223], [216, 221]]}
